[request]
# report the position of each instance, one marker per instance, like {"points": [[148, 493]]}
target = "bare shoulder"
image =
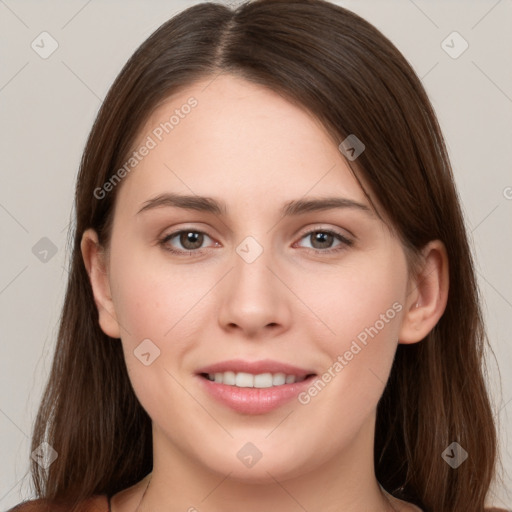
{"points": [[98, 503]]}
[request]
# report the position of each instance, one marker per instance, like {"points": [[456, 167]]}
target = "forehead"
{"points": [[233, 139]]}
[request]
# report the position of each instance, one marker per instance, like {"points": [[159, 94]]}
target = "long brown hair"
{"points": [[340, 68]]}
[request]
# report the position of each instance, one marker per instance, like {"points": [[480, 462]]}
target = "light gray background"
{"points": [[47, 107]]}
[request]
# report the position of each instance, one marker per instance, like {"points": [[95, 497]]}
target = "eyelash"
{"points": [[345, 242]]}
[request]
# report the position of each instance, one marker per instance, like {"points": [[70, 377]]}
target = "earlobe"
{"points": [[94, 261], [427, 296]]}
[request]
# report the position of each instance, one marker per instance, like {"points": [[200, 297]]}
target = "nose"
{"points": [[255, 297]]}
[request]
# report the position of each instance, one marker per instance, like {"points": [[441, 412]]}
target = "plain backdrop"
{"points": [[47, 107]]}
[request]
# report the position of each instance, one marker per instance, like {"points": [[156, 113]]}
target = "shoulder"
{"points": [[496, 510], [97, 503]]}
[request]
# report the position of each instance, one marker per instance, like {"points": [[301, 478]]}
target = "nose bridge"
{"points": [[254, 297], [252, 261]]}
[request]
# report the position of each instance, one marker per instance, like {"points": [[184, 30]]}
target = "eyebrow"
{"points": [[291, 208]]}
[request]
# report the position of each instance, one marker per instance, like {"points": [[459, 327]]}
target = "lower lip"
{"points": [[254, 400]]}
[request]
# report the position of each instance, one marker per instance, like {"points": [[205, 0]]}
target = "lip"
{"points": [[255, 367], [254, 400]]}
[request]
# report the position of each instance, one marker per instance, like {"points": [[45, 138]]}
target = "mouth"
{"points": [[254, 387]]}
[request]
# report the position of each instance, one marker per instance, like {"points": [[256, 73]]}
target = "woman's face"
{"points": [[259, 277]]}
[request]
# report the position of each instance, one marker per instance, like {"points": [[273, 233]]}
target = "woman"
{"points": [[271, 301]]}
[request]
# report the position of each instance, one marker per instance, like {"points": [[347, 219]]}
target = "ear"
{"points": [[95, 262], [427, 294]]}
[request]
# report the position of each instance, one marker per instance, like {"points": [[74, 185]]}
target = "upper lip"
{"points": [[255, 367]]}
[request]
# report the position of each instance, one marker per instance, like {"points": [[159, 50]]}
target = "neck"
{"points": [[347, 482]]}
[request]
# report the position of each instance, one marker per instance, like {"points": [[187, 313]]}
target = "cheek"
{"points": [[152, 296], [354, 299], [364, 312], [361, 310], [160, 302], [154, 305], [144, 307]]}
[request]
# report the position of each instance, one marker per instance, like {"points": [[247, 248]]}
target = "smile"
{"points": [[248, 380]]}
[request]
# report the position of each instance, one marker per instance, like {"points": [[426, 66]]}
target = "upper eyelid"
{"points": [[337, 230], [303, 233]]}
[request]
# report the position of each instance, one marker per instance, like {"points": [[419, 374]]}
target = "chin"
{"points": [[266, 470]]}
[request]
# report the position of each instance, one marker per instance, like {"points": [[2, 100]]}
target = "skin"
{"points": [[247, 146]]}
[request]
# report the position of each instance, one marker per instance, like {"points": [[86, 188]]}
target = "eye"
{"points": [[191, 241], [322, 240]]}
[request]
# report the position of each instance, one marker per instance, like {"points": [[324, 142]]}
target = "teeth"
{"points": [[248, 380]]}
